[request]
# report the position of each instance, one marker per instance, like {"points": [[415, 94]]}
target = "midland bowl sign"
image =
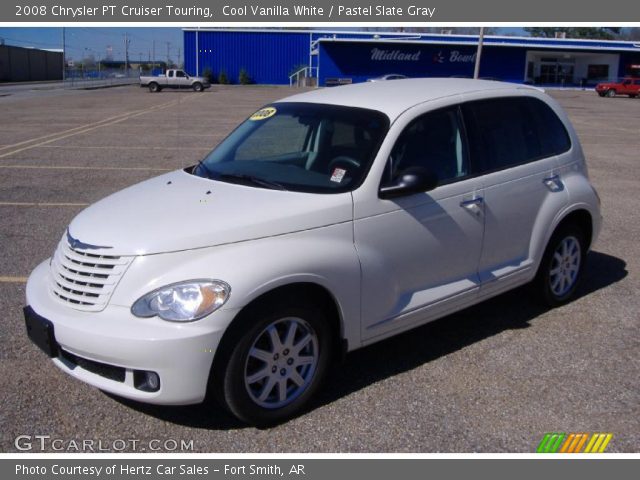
{"points": [[362, 60], [455, 56], [379, 54]]}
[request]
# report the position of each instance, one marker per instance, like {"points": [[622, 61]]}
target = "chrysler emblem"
{"points": [[77, 244]]}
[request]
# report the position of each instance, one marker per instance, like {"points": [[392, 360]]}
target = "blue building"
{"points": [[279, 57]]}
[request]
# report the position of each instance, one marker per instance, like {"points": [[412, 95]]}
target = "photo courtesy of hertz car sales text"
{"points": [[324, 222]]}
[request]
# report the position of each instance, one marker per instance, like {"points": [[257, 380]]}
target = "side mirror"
{"points": [[410, 181]]}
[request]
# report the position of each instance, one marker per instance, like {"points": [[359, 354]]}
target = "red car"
{"points": [[628, 86]]}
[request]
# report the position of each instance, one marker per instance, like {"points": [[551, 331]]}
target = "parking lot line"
{"points": [[9, 279], [84, 128], [71, 167], [42, 204], [123, 147]]}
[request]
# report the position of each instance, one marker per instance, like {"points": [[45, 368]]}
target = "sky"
{"points": [[83, 42]]}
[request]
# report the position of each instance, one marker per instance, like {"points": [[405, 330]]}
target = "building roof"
{"points": [[453, 39], [395, 96]]}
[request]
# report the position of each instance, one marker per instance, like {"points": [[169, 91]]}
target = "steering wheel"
{"points": [[344, 162]]}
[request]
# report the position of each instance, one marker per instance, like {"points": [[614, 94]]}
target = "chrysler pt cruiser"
{"points": [[324, 222]]}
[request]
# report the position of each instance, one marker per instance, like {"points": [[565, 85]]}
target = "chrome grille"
{"points": [[85, 280]]}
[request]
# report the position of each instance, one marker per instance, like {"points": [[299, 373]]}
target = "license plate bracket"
{"points": [[41, 332]]}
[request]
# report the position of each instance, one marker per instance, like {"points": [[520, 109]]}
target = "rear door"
{"points": [[182, 80], [515, 142], [171, 79]]}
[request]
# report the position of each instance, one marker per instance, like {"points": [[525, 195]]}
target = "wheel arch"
{"points": [[305, 291], [579, 215]]}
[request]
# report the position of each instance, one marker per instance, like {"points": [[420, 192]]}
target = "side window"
{"points": [[171, 74], [554, 138], [433, 141], [180, 74], [510, 131]]}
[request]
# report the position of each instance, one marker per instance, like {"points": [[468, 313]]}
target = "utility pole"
{"points": [[178, 57], [198, 53], [168, 53], [126, 54], [153, 67], [476, 71], [64, 60]]}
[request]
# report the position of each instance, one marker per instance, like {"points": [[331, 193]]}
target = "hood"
{"points": [[179, 211]]}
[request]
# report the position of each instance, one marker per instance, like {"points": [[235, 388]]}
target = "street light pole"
{"points": [[64, 59], [476, 71]]}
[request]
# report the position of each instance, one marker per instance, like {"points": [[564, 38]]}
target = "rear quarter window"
{"points": [[509, 131]]}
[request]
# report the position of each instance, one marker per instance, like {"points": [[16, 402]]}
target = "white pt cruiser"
{"points": [[325, 222]]}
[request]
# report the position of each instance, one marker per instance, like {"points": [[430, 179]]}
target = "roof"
{"points": [[531, 43], [395, 96]]}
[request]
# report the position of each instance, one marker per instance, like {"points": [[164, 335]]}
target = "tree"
{"points": [[630, 33], [454, 30], [595, 33]]}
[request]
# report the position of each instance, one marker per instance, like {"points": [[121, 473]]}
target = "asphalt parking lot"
{"points": [[493, 378]]}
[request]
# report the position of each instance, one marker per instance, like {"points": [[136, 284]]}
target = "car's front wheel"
{"points": [[276, 364], [562, 266], [611, 92]]}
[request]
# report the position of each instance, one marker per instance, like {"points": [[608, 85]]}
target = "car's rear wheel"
{"points": [[632, 95], [154, 87], [611, 92], [562, 266], [276, 364]]}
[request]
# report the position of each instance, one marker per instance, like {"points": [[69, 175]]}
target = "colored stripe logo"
{"points": [[574, 443]]}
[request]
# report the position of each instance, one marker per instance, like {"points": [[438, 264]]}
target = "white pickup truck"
{"points": [[174, 79]]}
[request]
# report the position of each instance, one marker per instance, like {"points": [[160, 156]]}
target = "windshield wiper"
{"points": [[251, 179], [203, 165]]}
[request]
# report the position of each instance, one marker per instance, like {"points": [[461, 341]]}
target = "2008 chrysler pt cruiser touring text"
{"points": [[324, 222]]}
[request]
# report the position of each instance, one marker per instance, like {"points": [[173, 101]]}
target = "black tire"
{"points": [[602, 94], [632, 95], [543, 284], [154, 87], [233, 387], [197, 87], [611, 93]]}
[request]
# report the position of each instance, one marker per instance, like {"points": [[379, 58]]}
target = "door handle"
{"points": [[473, 203]]}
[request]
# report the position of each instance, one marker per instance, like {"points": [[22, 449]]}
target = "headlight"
{"points": [[184, 301]]}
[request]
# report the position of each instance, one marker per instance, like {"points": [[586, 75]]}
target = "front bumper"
{"points": [[180, 353]]}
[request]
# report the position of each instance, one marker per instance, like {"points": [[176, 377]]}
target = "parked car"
{"points": [[174, 79], [388, 76], [325, 222], [627, 86]]}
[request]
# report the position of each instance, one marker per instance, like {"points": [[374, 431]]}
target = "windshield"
{"points": [[303, 147]]}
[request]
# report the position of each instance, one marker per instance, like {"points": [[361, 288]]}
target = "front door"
{"points": [[420, 253]]}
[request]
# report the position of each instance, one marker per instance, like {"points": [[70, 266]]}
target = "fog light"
{"points": [[146, 381]]}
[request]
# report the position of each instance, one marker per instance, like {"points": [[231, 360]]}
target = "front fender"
{"points": [[324, 256]]}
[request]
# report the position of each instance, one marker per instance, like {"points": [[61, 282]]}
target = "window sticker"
{"points": [[263, 114], [338, 175]]}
